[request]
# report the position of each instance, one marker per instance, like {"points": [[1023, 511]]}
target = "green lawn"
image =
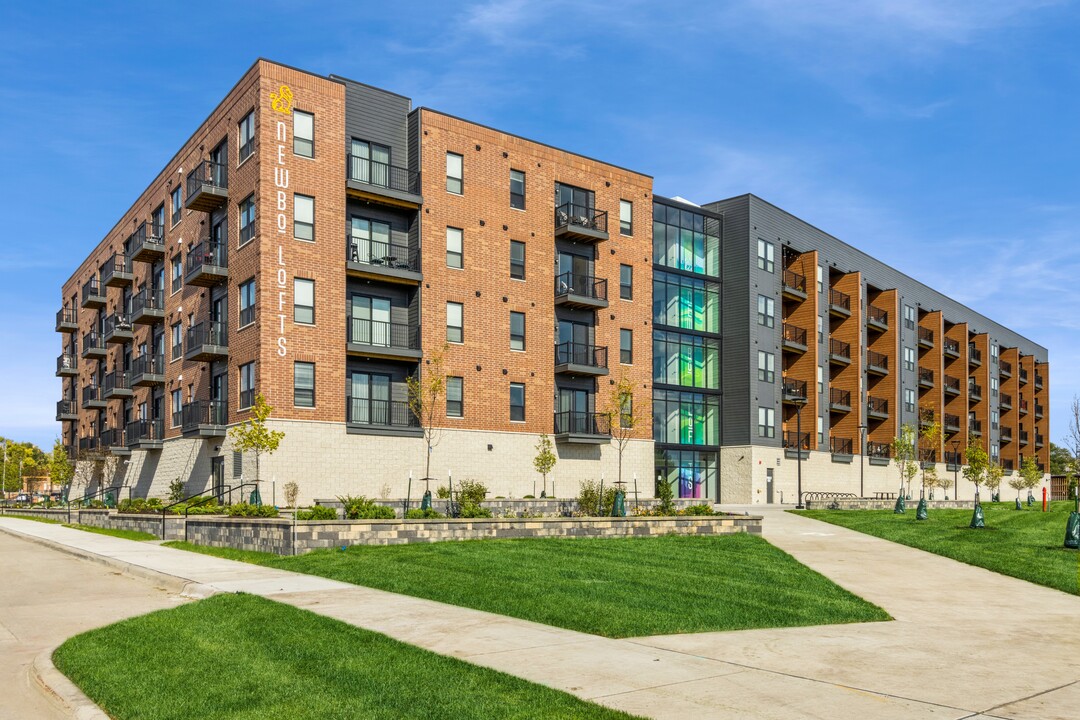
{"points": [[1025, 544], [614, 587], [242, 657], [35, 518], [114, 532]]}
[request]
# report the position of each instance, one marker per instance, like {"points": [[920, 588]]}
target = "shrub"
{"points": [[589, 501], [472, 510], [247, 510], [472, 492], [176, 490], [701, 509], [360, 508], [140, 505], [664, 495], [418, 514], [319, 512], [528, 497], [291, 491]]}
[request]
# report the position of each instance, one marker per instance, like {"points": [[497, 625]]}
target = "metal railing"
{"points": [[794, 334], [975, 390], [877, 314], [1005, 368], [792, 440], [382, 413], [573, 353], [118, 264], [926, 376], [214, 332], [91, 393], [926, 335], [795, 281], [574, 215], [927, 454], [116, 380], [840, 446], [1038, 381], [1023, 406], [112, 437], [139, 430], [879, 449], [1006, 400], [840, 348], [794, 389], [839, 299], [148, 298], [204, 412], [66, 407], [208, 253], [953, 458], [1038, 410], [117, 322], [877, 405], [1023, 375], [951, 422], [93, 341], [67, 361], [147, 365], [384, 334], [974, 355], [207, 172], [840, 397], [1023, 437], [951, 346], [951, 383], [877, 360], [67, 316], [1039, 440], [380, 174], [396, 256], [570, 283], [1006, 432], [92, 287], [975, 426], [581, 423]]}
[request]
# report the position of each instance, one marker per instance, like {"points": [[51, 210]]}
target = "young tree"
{"points": [[975, 469], [621, 416], [1030, 475], [253, 435], [903, 451], [930, 441], [61, 468], [1060, 457], [545, 459], [1073, 436], [425, 392], [994, 473]]}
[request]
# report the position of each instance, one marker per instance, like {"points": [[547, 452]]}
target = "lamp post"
{"points": [[862, 452], [799, 402], [955, 467]]}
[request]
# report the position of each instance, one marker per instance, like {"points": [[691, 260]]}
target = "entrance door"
{"points": [[371, 320], [769, 485], [576, 408], [371, 398], [575, 341], [217, 475]]}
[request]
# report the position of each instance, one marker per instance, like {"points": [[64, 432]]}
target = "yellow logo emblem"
{"points": [[281, 101]]}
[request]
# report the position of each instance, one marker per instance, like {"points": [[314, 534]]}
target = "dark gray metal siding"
{"points": [[377, 116]]}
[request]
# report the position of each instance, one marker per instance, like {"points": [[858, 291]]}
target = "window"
{"points": [[994, 419], [303, 124], [247, 136], [766, 366], [766, 422], [454, 393], [176, 206], [454, 330], [304, 384], [517, 402], [909, 400], [247, 385], [909, 358], [626, 346], [247, 302], [820, 379], [686, 360], [820, 279], [626, 217], [177, 341], [684, 240], [454, 257], [247, 219], [765, 256], [766, 311], [177, 407], [909, 317], [626, 282], [993, 387], [157, 221], [994, 353], [454, 182], [303, 217], [517, 260], [177, 273], [517, 189], [370, 163], [517, 331], [820, 429], [820, 330], [304, 301]]}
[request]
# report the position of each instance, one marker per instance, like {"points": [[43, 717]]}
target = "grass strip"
{"points": [[114, 532]]}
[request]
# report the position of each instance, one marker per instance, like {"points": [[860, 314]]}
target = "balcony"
{"points": [[876, 318], [574, 358], [794, 338], [839, 352], [794, 285], [974, 355], [67, 365], [926, 337], [974, 392], [1005, 369], [1040, 441], [975, 427], [839, 400], [383, 183], [145, 434], [204, 418], [67, 410], [112, 440], [926, 378], [583, 428], [926, 417], [951, 423], [1007, 466], [93, 294], [841, 449], [1023, 406], [879, 453], [877, 363], [207, 264], [1023, 376], [951, 348], [147, 243], [148, 370], [1006, 401], [580, 291], [93, 345], [88, 444], [927, 457], [387, 261], [207, 341], [148, 306], [67, 320], [877, 408], [1023, 437], [116, 385], [839, 303], [796, 445], [393, 341], [117, 329], [1038, 411], [1006, 434], [580, 222], [381, 417], [794, 392], [92, 398], [952, 461], [951, 385], [1038, 381], [207, 187], [117, 272]]}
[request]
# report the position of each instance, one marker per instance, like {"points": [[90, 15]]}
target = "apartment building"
{"points": [[320, 241]]}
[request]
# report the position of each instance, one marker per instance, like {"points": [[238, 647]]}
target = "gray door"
{"points": [[769, 486]]}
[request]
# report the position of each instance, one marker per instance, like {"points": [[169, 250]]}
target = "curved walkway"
{"points": [[966, 643]]}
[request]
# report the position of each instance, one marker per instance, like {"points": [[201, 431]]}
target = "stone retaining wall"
{"points": [[517, 506], [874, 504]]}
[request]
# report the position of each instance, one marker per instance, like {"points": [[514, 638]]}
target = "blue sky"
{"points": [[941, 137]]}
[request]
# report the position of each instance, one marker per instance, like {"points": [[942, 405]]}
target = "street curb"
{"points": [[61, 691], [171, 583]]}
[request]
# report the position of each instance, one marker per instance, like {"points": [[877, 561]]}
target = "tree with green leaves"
{"points": [[1030, 474], [977, 464], [426, 390], [61, 467], [1060, 457], [903, 452], [20, 459], [253, 435], [994, 474], [930, 440], [545, 459], [621, 416]]}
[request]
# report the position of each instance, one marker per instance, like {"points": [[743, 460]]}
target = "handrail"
{"points": [[100, 493], [203, 497]]}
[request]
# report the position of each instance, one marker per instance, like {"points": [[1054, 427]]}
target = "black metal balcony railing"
{"points": [[974, 354], [116, 380], [93, 292], [67, 318], [877, 360], [380, 254], [88, 444], [975, 391], [1023, 406], [794, 334], [572, 353], [66, 408], [116, 271], [587, 286], [1038, 381], [952, 459], [1006, 401], [877, 315], [926, 336], [1005, 368], [147, 365], [204, 412], [839, 398], [1023, 376], [146, 242], [951, 347], [1039, 440], [840, 446], [839, 299], [207, 173], [975, 426], [571, 215], [794, 390], [877, 406], [214, 332], [952, 422], [926, 376], [117, 326], [879, 449], [112, 437], [1038, 410], [792, 440], [795, 281], [383, 413], [384, 334], [92, 341], [1023, 437], [839, 349], [91, 393], [951, 384], [383, 175], [1007, 465], [581, 423], [207, 256], [1006, 433], [145, 430], [147, 299], [67, 363]]}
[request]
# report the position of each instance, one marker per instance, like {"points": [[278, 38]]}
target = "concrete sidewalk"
{"points": [[965, 643]]}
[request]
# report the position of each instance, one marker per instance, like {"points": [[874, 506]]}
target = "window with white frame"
{"points": [[455, 406], [454, 252], [766, 423], [304, 301], [909, 317], [303, 133], [909, 400], [303, 217], [626, 217], [766, 311], [455, 332], [304, 384], [909, 358], [766, 366], [765, 255], [455, 182]]}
